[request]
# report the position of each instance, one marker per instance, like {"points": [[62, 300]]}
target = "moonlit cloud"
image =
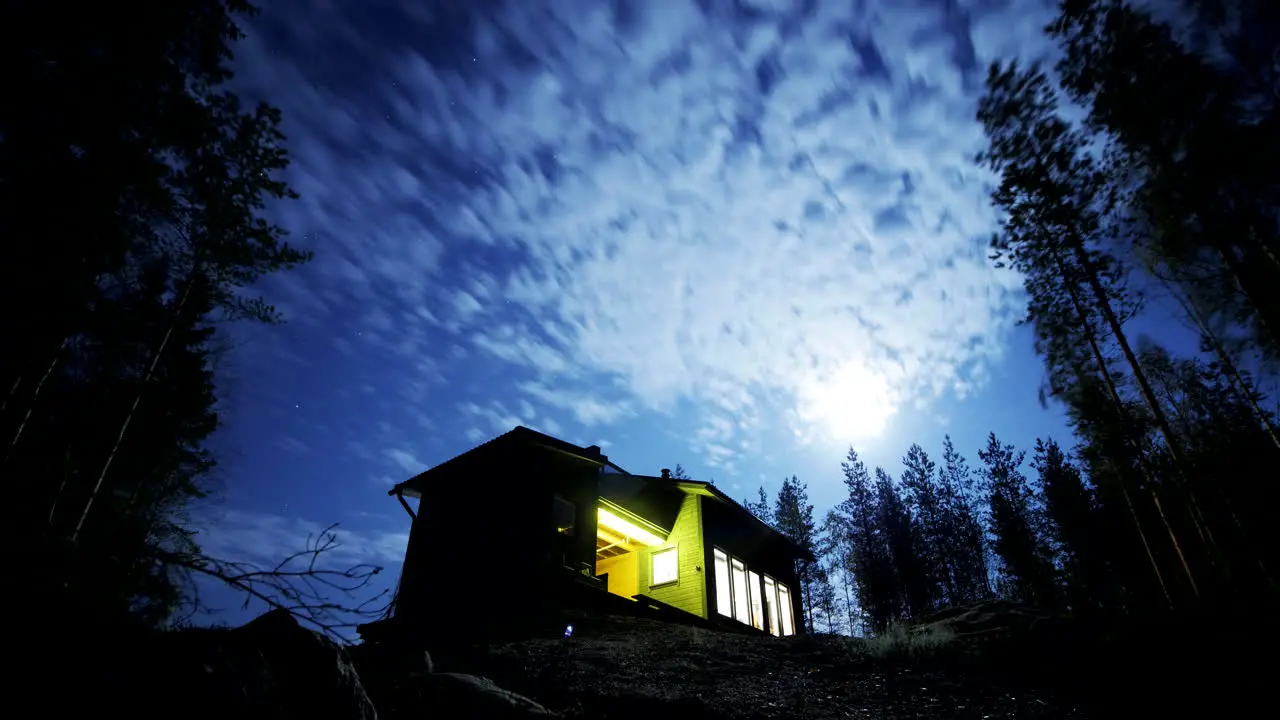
{"points": [[405, 461], [621, 212], [267, 538]]}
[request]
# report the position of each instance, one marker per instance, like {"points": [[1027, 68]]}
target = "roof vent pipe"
{"points": [[666, 473]]}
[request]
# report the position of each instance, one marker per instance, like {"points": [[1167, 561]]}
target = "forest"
{"points": [[133, 188], [1136, 175]]}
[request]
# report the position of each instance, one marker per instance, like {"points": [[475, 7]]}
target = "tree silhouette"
{"points": [[132, 188], [1026, 565], [793, 517]]}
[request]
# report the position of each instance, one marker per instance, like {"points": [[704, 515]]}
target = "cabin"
{"points": [[526, 521]]}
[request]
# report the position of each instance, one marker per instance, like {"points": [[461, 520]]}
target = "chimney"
{"points": [[666, 473]]}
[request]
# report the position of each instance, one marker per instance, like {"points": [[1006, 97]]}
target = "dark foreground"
{"points": [[629, 668], [991, 661]]}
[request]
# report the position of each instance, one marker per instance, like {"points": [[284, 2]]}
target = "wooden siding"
{"points": [[689, 591]]}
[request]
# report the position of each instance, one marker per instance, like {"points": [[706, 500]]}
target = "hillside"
{"points": [[986, 662]]}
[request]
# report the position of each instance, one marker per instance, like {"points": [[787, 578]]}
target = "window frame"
{"points": [[776, 617], [674, 551], [724, 590]]}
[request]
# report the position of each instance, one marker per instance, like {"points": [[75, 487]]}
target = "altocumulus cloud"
{"points": [[635, 204]]}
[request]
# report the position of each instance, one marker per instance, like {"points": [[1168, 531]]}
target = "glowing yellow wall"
{"points": [[624, 573], [689, 592]]}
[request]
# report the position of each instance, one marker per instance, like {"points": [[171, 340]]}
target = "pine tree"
{"points": [[869, 559], [924, 498], [967, 549], [902, 536], [1200, 139], [793, 517], [760, 508], [837, 546], [1026, 565], [1057, 197], [126, 122], [1072, 523]]}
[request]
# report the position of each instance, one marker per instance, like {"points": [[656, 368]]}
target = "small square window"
{"points": [[666, 566]]}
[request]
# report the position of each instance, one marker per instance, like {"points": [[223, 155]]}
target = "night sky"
{"points": [[736, 236]]}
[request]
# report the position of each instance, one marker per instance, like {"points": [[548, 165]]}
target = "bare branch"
{"points": [[326, 599]]}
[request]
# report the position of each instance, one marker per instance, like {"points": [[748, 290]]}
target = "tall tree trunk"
{"points": [[1227, 366], [1148, 396], [848, 597], [137, 400], [66, 475], [1125, 423], [1146, 545], [1217, 419], [17, 435], [13, 390]]}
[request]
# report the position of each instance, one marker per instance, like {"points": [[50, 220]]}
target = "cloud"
{"points": [[629, 211], [495, 416], [582, 405], [266, 539], [292, 444], [405, 460]]}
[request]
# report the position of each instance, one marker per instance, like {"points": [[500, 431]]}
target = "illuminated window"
{"points": [[565, 515], [784, 609], [741, 610], [750, 597], [771, 604], [757, 602], [666, 566], [724, 598]]}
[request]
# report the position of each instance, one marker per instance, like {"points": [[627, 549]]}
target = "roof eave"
{"points": [[713, 491]]}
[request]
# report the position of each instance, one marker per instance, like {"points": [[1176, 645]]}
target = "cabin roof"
{"points": [[656, 499], [519, 435], [701, 487]]}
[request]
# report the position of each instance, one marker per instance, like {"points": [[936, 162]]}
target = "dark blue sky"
{"points": [[736, 236]]}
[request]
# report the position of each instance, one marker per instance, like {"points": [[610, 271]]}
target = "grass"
{"points": [[900, 641]]}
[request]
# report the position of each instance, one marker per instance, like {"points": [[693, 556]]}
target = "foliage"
{"points": [[793, 517], [1026, 567], [133, 183], [760, 508]]}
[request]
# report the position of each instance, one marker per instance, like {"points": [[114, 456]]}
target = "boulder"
{"points": [[991, 617], [404, 683], [458, 696], [270, 668]]}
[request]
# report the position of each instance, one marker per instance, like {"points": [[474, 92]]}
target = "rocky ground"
{"points": [[994, 660], [990, 661], [623, 669]]}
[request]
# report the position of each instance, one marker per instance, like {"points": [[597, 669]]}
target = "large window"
{"points": [[741, 610], [771, 604], [784, 609], [750, 597], [666, 566], [757, 601], [724, 596]]}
